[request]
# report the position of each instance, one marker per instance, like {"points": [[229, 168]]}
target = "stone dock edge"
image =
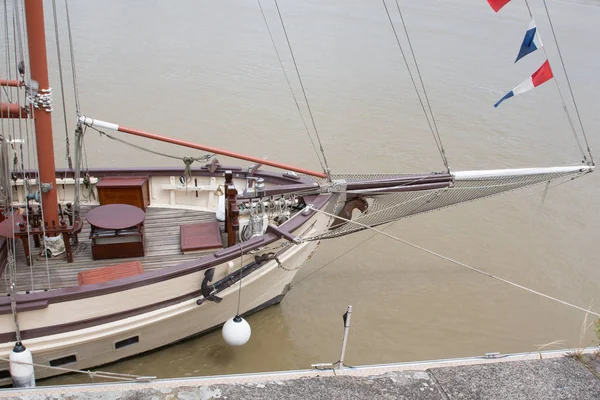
{"points": [[536, 375]]}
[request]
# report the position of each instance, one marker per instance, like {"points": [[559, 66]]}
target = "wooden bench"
{"points": [[201, 236], [105, 274]]}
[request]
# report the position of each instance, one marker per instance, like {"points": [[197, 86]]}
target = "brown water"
{"points": [[206, 71]]}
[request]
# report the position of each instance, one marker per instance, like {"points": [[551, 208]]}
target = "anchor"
{"points": [[207, 289]]}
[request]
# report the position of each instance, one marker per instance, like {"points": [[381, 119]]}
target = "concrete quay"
{"points": [[539, 375]]}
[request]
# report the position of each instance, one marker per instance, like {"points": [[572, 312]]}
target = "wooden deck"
{"points": [[162, 248]]}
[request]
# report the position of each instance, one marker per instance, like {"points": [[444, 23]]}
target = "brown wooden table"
{"points": [[117, 231], [115, 216]]}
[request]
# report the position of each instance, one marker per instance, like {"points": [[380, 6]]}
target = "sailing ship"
{"points": [[101, 264]]}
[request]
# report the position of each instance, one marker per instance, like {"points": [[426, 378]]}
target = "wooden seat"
{"points": [[105, 274], [201, 236]]}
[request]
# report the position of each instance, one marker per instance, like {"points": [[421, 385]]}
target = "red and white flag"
{"points": [[498, 4], [543, 74]]}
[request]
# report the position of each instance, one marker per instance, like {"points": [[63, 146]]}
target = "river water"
{"points": [[206, 71]]}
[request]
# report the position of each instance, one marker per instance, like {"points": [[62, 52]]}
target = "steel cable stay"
{"points": [[20, 40], [290, 85], [568, 82], [412, 78], [414, 57], [7, 132], [19, 55], [560, 94], [72, 56], [308, 107], [62, 86], [23, 41]]}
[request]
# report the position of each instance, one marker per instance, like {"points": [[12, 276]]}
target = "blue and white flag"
{"points": [[532, 41]]}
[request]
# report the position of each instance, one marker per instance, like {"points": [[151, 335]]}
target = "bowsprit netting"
{"points": [[387, 206]]}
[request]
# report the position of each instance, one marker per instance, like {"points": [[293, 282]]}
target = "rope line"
{"points": [[312, 118], [545, 191], [562, 62], [312, 142], [437, 132], [72, 54], [437, 143], [21, 37], [108, 135], [99, 374], [62, 86], [241, 276], [479, 271], [562, 99]]}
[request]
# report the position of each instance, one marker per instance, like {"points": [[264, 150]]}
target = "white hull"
{"points": [[95, 345]]}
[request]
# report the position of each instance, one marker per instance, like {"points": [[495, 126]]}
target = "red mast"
{"points": [[34, 16]]}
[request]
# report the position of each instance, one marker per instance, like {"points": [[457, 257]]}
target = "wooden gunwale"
{"points": [[238, 172], [76, 293]]}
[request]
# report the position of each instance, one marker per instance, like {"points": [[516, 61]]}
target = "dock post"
{"points": [[345, 340]]}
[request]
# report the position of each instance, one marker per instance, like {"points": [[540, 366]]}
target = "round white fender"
{"points": [[236, 331], [21, 366]]}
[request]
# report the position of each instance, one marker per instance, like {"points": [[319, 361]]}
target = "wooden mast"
{"points": [[34, 18]]}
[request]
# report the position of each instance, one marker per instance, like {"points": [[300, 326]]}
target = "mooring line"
{"points": [[460, 263]]}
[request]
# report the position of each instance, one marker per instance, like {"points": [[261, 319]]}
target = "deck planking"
{"points": [[162, 249]]}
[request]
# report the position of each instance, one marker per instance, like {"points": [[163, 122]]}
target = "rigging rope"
{"points": [[30, 122], [6, 135], [99, 374], [479, 271], [72, 54], [19, 36], [186, 160], [62, 86], [437, 132], [312, 118], [435, 138], [6, 184], [312, 142], [241, 276], [562, 62], [108, 135], [544, 193], [562, 98]]}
